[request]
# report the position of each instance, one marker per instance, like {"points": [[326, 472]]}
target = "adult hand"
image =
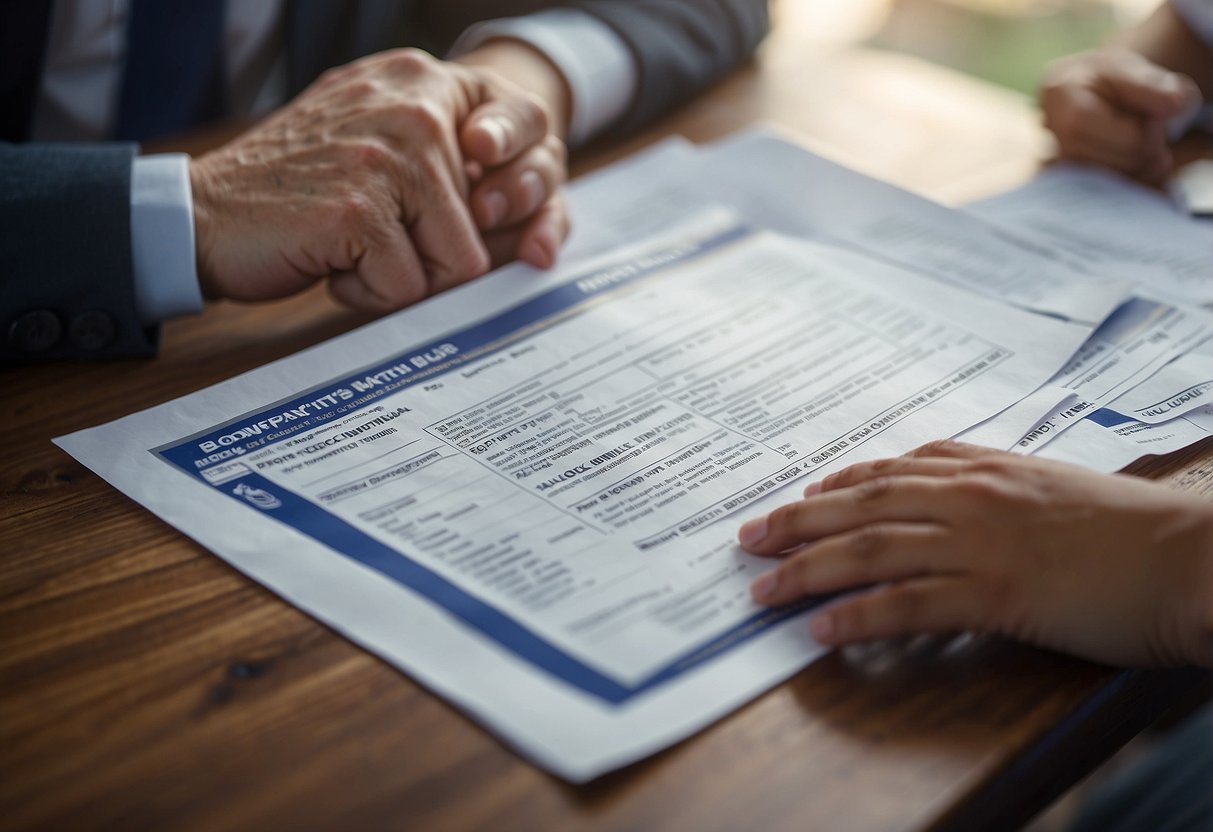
{"points": [[516, 197], [361, 179], [1111, 107], [954, 537]]}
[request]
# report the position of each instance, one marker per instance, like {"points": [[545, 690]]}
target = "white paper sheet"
{"points": [[1108, 441], [633, 199], [1183, 385], [531, 506], [1005, 430], [777, 185], [1116, 226], [1128, 349], [1192, 189]]}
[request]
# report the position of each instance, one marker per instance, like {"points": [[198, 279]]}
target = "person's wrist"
{"points": [[201, 186], [527, 67], [1183, 563], [1202, 649]]}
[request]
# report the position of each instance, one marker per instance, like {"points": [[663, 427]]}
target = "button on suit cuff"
{"points": [[162, 238], [596, 63]]}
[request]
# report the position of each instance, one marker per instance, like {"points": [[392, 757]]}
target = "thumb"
{"points": [[500, 129], [1146, 88]]}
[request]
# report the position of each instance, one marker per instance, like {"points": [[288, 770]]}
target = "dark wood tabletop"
{"points": [[145, 684]]}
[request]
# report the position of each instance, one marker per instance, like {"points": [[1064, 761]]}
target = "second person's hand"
{"points": [[954, 537], [1112, 107]]}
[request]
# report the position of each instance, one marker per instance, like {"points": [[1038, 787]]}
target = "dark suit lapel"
{"points": [[24, 29]]}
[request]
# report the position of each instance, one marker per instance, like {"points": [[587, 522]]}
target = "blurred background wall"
{"points": [[1004, 41]]}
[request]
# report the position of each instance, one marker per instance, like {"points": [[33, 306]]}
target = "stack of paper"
{"points": [[525, 492], [1077, 243]]}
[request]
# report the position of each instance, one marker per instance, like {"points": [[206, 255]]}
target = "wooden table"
{"points": [[144, 684]]}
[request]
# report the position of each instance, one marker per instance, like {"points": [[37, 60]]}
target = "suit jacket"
{"points": [[66, 279]]}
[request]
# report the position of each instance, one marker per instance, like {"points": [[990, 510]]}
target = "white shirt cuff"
{"points": [[595, 61], [1198, 14], [162, 238]]}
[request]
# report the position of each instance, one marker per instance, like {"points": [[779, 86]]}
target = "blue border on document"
{"points": [[305, 516], [492, 335]]}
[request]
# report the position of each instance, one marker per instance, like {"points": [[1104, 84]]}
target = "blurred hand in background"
{"points": [[1112, 107], [1118, 106]]}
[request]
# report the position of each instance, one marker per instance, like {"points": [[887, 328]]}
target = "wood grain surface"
{"points": [[144, 684]]}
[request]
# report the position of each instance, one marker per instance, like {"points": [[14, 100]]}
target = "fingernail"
{"points": [[753, 532], [537, 254], [763, 588], [821, 627], [499, 132], [813, 489], [534, 191], [495, 206], [545, 243]]}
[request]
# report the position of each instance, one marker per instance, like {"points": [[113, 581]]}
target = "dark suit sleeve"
{"points": [[680, 46], [66, 277]]}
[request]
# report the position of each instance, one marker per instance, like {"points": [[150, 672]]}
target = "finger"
{"points": [[950, 448], [503, 245], [896, 466], [387, 276], [1114, 133], [908, 499], [445, 235], [1159, 160], [1146, 88], [1090, 127], [501, 128], [944, 604], [536, 241], [517, 190], [870, 554], [545, 234], [1092, 155]]}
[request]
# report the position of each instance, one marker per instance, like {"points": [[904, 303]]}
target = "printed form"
{"points": [[1115, 225], [773, 184], [778, 185], [532, 508]]}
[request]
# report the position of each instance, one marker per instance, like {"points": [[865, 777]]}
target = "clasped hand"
{"points": [[394, 177]]}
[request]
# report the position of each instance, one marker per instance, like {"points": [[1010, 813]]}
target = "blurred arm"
{"points": [[1169, 38]]}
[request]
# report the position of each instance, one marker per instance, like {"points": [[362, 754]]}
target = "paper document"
{"points": [[1192, 189], [1108, 440], [1183, 385], [1130, 348], [525, 492], [776, 185], [1008, 428], [1117, 226]]}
